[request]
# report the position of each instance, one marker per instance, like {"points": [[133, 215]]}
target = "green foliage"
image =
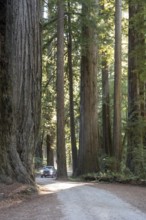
{"points": [[49, 70], [111, 177], [104, 25], [106, 163]]}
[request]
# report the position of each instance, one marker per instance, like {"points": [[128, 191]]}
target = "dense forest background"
{"points": [[72, 88]]}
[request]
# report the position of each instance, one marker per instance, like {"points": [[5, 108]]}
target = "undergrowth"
{"points": [[111, 177]]}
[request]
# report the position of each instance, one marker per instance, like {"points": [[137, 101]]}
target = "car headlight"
{"points": [[41, 171]]}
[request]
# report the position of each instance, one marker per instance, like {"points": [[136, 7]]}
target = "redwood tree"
{"points": [[71, 90], [117, 85], [61, 153], [88, 143], [136, 71], [106, 120], [20, 114]]}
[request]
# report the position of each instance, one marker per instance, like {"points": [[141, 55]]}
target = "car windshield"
{"points": [[49, 167]]}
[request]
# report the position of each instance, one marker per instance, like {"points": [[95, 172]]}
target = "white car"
{"points": [[49, 171]]}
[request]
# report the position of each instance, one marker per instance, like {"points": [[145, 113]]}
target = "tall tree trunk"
{"points": [[136, 62], [61, 153], [50, 155], [72, 122], [24, 86], [117, 86], [107, 139], [88, 143]]}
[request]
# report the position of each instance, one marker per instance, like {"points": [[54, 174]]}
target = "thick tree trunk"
{"points": [[107, 139], [61, 152], [50, 155], [117, 86], [88, 143], [72, 121], [24, 86], [135, 160]]}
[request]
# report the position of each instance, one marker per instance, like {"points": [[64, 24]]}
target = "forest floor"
{"points": [[20, 202]]}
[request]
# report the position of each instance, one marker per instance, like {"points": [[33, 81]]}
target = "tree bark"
{"points": [[24, 86], [117, 86], [50, 155], [88, 143], [136, 60], [72, 121], [61, 152], [107, 139]]}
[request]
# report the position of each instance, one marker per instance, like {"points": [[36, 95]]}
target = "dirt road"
{"points": [[75, 201]]}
